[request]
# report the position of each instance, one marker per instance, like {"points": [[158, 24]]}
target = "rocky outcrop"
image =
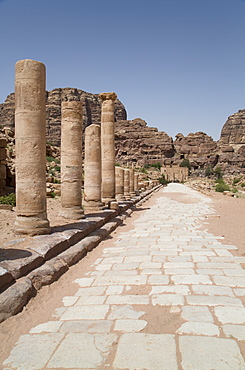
{"points": [[91, 110], [233, 131], [136, 142], [199, 148]]}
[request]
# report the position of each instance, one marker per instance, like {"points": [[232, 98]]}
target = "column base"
{"points": [[120, 198], [32, 225], [92, 206], [73, 213], [107, 201]]}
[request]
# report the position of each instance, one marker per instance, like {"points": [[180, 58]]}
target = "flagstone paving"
{"points": [[166, 296]]}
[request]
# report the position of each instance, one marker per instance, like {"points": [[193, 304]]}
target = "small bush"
{"points": [[185, 163], [209, 171], [163, 181], [56, 181], [243, 184], [156, 165], [218, 172], [222, 187], [8, 199], [236, 180], [50, 159], [57, 168]]}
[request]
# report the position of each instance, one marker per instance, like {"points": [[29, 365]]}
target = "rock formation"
{"points": [[138, 143], [199, 148], [135, 141], [91, 110], [233, 131]]}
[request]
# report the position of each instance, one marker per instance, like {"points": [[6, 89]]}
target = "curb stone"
{"points": [[46, 257]]}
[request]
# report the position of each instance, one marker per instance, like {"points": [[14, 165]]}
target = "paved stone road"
{"points": [[166, 296]]}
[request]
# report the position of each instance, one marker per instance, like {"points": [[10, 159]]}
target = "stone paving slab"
{"points": [[166, 295]]}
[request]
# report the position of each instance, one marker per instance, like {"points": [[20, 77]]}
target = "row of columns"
{"points": [[103, 183]]}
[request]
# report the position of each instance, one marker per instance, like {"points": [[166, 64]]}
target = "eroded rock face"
{"points": [[135, 141], [91, 110], [198, 147], [138, 143], [233, 131]]}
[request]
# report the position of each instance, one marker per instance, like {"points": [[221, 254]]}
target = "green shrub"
{"points": [[185, 163], [156, 165], [236, 180], [163, 181], [243, 184], [8, 199], [57, 168], [218, 172], [222, 187], [209, 171], [50, 159], [234, 190], [220, 181], [56, 181]]}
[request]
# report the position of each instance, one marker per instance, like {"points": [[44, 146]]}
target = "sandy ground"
{"points": [[227, 222], [7, 219]]}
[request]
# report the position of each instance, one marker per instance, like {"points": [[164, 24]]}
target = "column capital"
{"points": [[108, 96]]}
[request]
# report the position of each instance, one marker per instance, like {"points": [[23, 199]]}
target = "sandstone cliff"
{"points": [[233, 131], [136, 142], [91, 110]]}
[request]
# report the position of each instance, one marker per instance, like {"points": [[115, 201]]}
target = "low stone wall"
{"points": [[175, 173], [42, 259]]}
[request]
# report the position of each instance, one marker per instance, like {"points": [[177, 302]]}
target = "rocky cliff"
{"points": [[233, 131], [91, 110], [138, 143]]}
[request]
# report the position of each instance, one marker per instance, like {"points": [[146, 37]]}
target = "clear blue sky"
{"points": [[178, 64]]}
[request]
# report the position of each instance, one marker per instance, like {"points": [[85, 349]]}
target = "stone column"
{"points": [[131, 182], [108, 147], [136, 183], [30, 148], [71, 160], [120, 184], [126, 184], [92, 169]]}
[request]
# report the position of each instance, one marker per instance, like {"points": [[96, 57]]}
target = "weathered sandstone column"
{"points": [[92, 169], [71, 160], [126, 183], [136, 183], [120, 183], [108, 147], [131, 182], [30, 140]]}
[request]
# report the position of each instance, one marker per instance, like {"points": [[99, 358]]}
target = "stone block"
{"points": [[3, 142], [5, 277], [20, 262], [48, 273], [3, 172], [146, 351], [73, 254], [13, 299], [39, 346], [2, 154], [215, 353], [49, 246]]}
